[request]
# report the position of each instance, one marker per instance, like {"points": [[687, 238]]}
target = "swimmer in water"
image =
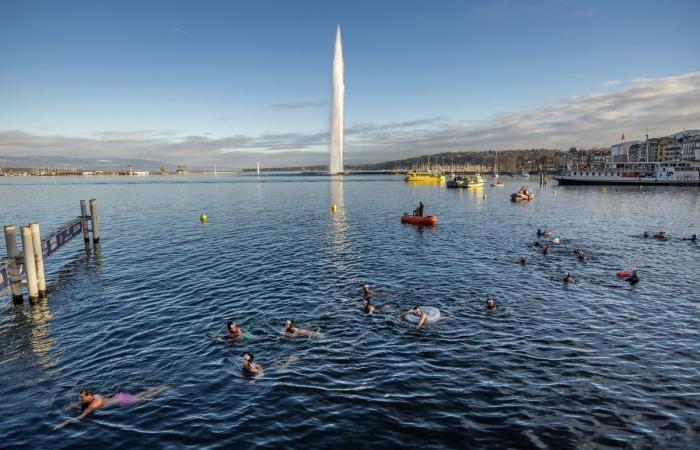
{"points": [[291, 330], [490, 304], [539, 232], [523, 260], [660, 235], [545, 250], [692, 238], [417, 311], [369, 308], [366, 291], [537, 244], [546, 233], [568, 278], [582, 256], [234, 331], [250, 367], [90, 401], [646, 234], [634, 279]]}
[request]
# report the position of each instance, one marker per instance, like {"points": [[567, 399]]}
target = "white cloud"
{"points": [[610, 83], [663, 105]]}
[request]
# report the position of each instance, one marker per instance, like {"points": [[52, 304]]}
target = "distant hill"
{"points": [[49, 162]]}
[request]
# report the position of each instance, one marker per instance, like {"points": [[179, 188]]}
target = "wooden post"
{"points": [[83, 219], [14, 272], [95, 222], [38, 259], [30, 263]]}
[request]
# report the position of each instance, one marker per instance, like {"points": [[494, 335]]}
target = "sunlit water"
{"points": [[594, 364]]}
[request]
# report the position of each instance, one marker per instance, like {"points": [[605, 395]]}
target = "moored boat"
{"points": [[468, 181], [674, 173], [419, 220], [425, 176], [522, 195]]}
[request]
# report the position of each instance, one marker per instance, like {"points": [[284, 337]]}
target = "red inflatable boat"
{"points": [[419, 220]]}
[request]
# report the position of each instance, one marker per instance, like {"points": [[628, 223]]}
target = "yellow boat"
{"points": [[434, 177]]}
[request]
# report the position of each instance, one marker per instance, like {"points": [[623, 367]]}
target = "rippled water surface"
{"points": [[594, 364]]}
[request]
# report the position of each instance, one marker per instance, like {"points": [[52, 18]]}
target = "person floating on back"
{"points": [[89, 401], [248, 366], [291, 330]]}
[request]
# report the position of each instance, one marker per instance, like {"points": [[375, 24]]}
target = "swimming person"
{"points": [[416, 311], [366, 291], [250, 367], [290, 329], [490, 304], [90, 401], [234, 331], [545, 250], [523, 260], [568, 278], [539, 232], [634, 279], [646, 234], [369, 308], [691, 238], [660, 235]]}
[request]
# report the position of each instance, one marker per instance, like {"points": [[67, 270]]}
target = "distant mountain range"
{"points": [[57, 162]]}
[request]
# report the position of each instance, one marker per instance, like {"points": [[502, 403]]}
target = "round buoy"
{"points": [[333, 207], [203, 217]]}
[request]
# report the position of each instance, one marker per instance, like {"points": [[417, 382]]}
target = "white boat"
{"points": [[674, 173]]}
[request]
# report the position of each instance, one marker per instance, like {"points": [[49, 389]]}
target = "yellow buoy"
{"points": [[203, 218], [333, 207]]}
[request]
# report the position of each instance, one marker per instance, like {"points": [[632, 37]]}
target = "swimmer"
{"points": [[537, 244], [523, 260], [490, 304], [660, 235], [366, 291], [291, 330], [634, 279], [568, 278], [416, 311], [545, 250], [369, 308], [90, 401], [546, 233], [646, 234], [539, 232], [582, 256], [250, 367], [691, 238], [234, 331]]}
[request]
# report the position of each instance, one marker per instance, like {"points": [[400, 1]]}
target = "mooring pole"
{"points": [[83, 220], [95, 222], [14, 272], [38, 259], [30, 263]]}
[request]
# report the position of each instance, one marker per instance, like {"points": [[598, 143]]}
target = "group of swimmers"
{"points": [[661, 235]]}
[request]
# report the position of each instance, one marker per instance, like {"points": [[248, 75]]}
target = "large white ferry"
{"points": [[674, 173]]}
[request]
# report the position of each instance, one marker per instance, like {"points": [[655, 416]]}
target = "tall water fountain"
{"points": [[336, 161]]}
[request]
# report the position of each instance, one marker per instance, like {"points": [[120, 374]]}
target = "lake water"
{"points": [[594, 364]]}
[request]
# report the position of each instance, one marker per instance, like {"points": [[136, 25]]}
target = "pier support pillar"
{"points": [[84, 221], [95, 222], [30, 263], [14, 269], [38, 259]]}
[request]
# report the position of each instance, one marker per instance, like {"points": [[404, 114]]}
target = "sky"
{"points": [[235, 82]]}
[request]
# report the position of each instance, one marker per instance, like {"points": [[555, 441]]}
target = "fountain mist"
{"points": [[336, 150]]}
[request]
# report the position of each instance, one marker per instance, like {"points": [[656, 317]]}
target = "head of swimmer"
{"points": [[365, 289], [247, 359], [232, 327], [417, 311], [490, 303], [288, 325], [86, 396]]}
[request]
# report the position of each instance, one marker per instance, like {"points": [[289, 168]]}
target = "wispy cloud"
{"points": [[610, 83], [663, 105], [299, 104]]}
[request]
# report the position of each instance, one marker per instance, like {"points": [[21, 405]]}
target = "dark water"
{"points": [[595, 364]]}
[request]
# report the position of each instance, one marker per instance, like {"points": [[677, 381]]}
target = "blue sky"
{"points": [[242, 81]]}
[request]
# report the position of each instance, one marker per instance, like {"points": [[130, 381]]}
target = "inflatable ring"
{"points": [[432, 313]]}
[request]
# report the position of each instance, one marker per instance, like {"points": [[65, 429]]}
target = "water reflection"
{"points": [[339, 226]]}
